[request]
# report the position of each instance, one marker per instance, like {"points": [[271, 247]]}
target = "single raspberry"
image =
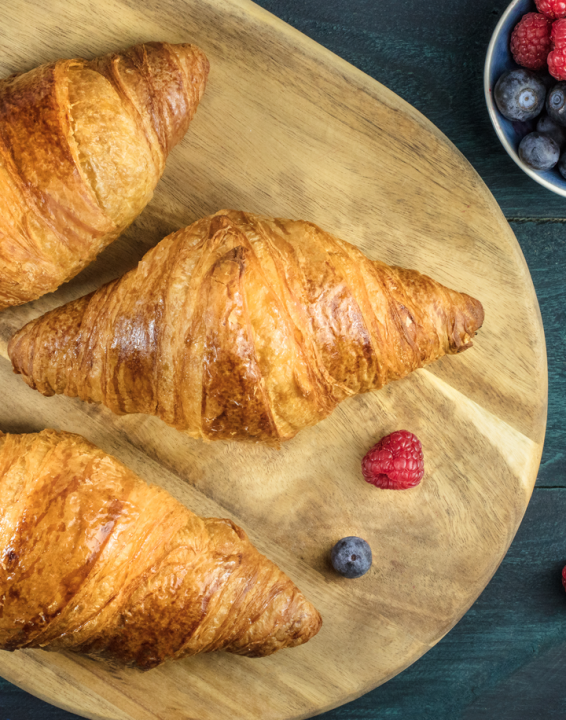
{"points": [[557, 63], [552, 8], [395, 463], [558, 34], [530, 41], [564, 577]]}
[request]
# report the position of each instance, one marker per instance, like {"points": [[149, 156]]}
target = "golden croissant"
{"points": [[94, 560], [82, 147], [244, 327]]}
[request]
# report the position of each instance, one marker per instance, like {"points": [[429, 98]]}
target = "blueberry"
{"points": [[351, 557], [519, 94], [562, 165], [557, 132], [556, 103], [539, 151]]}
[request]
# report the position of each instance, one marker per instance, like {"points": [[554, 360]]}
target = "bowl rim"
{"points": [[494, 113]]}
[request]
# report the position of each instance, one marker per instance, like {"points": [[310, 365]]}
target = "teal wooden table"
{"points": [[506, 657]]}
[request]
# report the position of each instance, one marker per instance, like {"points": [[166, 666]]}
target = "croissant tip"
{"points": [[12, 353], [473, 313], [196, 57], [474, 316], [318, 623], [312, 622], [478, 313]]}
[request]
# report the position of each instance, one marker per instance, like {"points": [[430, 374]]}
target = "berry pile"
{"points": [[538, 45], [539, 38]]}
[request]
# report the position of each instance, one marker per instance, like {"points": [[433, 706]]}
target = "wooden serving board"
{"points": [[288, 129]]}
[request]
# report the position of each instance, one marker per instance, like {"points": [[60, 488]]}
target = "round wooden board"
{"points": [[288, 129]]}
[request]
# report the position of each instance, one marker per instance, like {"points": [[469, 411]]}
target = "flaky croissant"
{"points": [[244, 327], [82, 146], [94, 560]]}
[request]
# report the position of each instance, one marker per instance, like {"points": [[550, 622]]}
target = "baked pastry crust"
{"points": [[95, 561], [82, 147], [244, 327]]}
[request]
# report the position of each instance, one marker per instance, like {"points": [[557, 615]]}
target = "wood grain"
{"points": [[505, 658], [433, 57], [288, 129]]}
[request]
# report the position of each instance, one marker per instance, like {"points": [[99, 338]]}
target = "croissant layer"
{"points": [[82, 147], [96, 561], [244, 327]]}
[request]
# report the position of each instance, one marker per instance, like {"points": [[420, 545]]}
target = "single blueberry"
{"points": [[519, 94], [551, 128], [562, 165], [351, 557], [539, 151], [556, 103]]}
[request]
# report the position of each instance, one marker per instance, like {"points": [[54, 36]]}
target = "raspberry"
{"points": [[552, 8], [564, 577], [530, 41], [558, 34], [557, 63], [395, 463]]}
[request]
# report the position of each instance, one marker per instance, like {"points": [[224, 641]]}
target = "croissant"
{"points": [[94, 560], [244, 327], [82, 146]]}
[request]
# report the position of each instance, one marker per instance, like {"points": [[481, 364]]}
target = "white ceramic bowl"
{"points": [[497, 61]]}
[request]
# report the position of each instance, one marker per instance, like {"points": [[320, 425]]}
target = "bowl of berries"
{"points": [[525, 88]]}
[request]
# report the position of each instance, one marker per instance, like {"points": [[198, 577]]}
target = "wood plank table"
{"points": [[506, 657]]}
